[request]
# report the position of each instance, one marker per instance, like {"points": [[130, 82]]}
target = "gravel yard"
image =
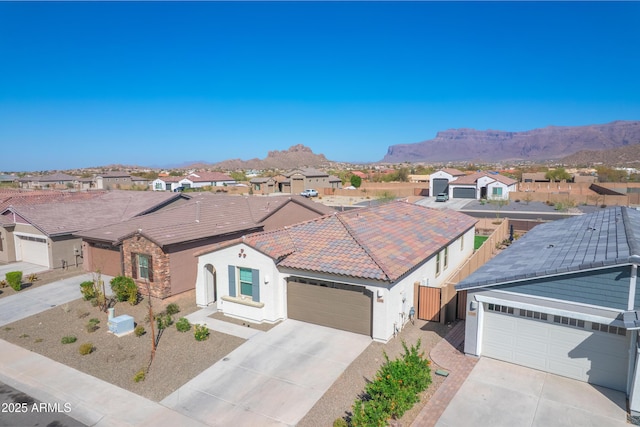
{"points": [[179, 357]]}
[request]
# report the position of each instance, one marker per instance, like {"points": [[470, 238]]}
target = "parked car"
{"points": [[442, 197], [309, 193], [178, 189]]}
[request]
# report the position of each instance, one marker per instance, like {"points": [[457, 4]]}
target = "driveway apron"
{"points": [[273, 379], [26, 267]]}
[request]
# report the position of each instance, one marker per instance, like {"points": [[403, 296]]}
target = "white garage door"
{"points": [[576, 349], [32, 249]]}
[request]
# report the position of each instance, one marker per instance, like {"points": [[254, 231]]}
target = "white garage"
{"points": [[32, 248], [578, 349]]}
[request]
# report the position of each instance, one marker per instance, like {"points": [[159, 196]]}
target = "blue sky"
{"points": [[161, 83]]}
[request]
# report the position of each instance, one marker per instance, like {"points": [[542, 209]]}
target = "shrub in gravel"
{"points": [[163, 320], [14, 278], [69, 339], [140, 375], [92, 325], [86, 348], [3, 283], [87, 290], [394, 390], [139, 331], [183, 325], [172, 309], [201, 332], [125, 289], [340, 422]]}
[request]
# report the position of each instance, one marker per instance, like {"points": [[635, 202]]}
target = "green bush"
{"points": [[140, 375], [125, 289], [14, 278], [172, 309], [69, 339], [201, 332], [139, 331], [88, 290], [394, 390], [183, 325], [92, 325], [340, 422], [86, 348], [163, 320]]}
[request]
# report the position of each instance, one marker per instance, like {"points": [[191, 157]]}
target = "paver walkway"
{"points": [[448, 354]]}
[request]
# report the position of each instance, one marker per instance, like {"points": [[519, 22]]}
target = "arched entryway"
{"points": [[210, 284]]}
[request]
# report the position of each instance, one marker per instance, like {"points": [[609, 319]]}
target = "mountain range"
{"points": [[553, 142]]}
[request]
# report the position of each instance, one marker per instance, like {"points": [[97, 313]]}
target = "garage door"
{"points": [[337, 306], [464, 193], [440, 186], [553, 344], [32, 249]]}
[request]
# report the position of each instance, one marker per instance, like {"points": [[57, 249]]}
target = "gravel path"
{"points": [[337, 401]]}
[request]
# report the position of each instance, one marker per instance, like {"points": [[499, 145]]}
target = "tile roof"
{"points": [[307, 172], [605, 237], [474, 177], [20, 198], [49, 178], [205, 215], [208, 177], [65, 217], [381, 243], [453, 172]]}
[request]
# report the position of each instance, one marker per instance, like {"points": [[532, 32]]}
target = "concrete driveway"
{"points": [[273, 379], [502, 394], [26, 267], [28, 302]]}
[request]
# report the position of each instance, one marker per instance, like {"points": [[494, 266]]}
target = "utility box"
{"points": [[121, 325]]}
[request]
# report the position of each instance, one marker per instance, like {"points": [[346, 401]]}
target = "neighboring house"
{"points": [[159, 247], [166, 183], [8, 178], [270, 185], [113, 181], [482, 185], [439, 181], [206, 179], [42, 233], [353, 270], [54, 181], [564, 299], [302, 179]]}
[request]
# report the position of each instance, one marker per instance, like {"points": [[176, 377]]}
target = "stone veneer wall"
{"points": [[161, 283]]}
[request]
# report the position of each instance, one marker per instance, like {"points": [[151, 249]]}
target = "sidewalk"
{"points": [[92, 401], [448, 355]]}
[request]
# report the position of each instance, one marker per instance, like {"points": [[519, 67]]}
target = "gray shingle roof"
{"points": [[604, 238]]}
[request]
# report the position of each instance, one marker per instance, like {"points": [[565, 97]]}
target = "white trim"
{"points": [[39, 236], [614, 311], [632, 287]]}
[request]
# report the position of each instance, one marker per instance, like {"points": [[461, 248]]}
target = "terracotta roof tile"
{"points": [[381, 243]]}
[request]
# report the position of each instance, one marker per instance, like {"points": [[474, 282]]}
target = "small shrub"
{"points": [[340, 422], [125, 289], [65, 308], [24, 336], [82, 314], [86, 348], [139, 331], [69, 339], [14, 278], [92, 325], [164, 320], [87, 290], [32, 277], [172, 309], [201, 332], [38, 340], [183, 325], [3, 283], [140, 375]]}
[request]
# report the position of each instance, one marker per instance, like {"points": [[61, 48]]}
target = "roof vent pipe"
{"points": [[198, 211]]}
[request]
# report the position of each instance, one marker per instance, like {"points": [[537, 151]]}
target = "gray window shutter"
{"points": [[232, 281], [255, 285]]}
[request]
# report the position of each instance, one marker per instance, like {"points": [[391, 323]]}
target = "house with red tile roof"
{"points": [[353, 270], [439, 181], [159, 248]]}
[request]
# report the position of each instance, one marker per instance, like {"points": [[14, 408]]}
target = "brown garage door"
{"points": [[337, 306]]}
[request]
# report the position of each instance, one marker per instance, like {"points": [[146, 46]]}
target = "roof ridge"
{"points": [[363, 246], [632, 240]]}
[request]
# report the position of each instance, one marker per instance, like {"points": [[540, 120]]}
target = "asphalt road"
{"points": [[18, 409]]}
